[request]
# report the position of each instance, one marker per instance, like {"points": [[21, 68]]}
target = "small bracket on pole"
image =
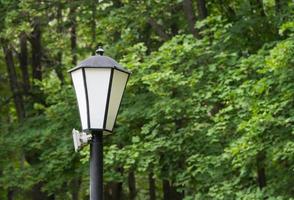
{"points": [[80, 139]]}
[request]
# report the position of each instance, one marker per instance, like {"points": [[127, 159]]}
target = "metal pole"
{"points": [[96, 166]]}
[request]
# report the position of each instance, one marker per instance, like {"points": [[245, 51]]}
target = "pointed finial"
{"points": [[100, 51]]}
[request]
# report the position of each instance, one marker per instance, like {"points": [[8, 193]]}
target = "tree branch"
{"points": [[188, 10], [158, 29]]}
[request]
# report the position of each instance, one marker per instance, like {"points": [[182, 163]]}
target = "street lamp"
{"points": [[99, 83]]}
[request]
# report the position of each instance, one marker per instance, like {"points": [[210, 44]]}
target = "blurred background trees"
{"points": [[209, 108]]}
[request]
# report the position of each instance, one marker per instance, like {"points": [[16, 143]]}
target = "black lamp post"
{"points": [[99, 83]]}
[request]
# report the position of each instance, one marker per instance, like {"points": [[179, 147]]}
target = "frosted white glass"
{"points": [[97, 85], [78, 82], [118, 84]]}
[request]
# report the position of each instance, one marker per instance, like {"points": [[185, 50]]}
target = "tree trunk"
{"points": [[37, 193], [174, 19], [10, 194], [58, 67], [258, 6], [93, 24], [114, 190], [191, 19], [203, 13], [261, 178], [73, 34], [36, 49], [170, 192], [132, 185], [117, 3], [278, 6], [117, 33], [75, 188], [152, 188], [118, 191], [15, 89], [175, 194], [23, 61], [166, 190]]}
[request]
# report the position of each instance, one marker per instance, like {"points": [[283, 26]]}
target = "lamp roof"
{"points": [[99, 61]]}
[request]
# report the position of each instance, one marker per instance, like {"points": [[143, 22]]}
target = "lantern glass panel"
{"points": [[78, 82], [119, 82], [97, 84]]}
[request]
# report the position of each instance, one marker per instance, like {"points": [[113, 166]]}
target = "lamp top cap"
{"points": [[99, 61], [99, 51]]}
